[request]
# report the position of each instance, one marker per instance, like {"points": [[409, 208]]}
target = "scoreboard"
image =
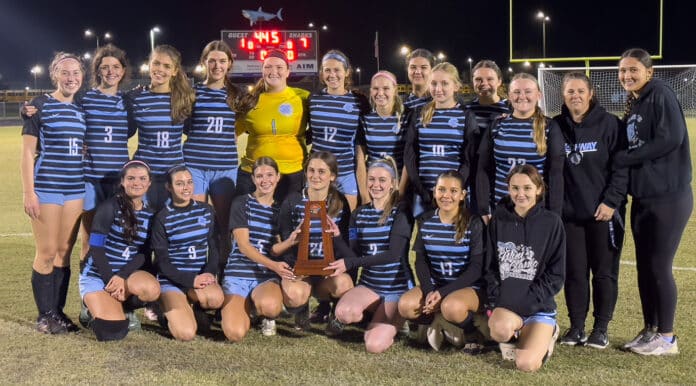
{"points": [[250, 48]]}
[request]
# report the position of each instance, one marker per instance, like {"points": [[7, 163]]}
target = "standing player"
{"points": [[449, 260], [419, 67], [252, 275], [381, 133], [659, 165], [334, 120], [210, 150], [380, 233], [275, 117], [184, 240], [322, 172], [54, 190], [439, 139], [525, 137], [112, 276], [158, 111], [593, 209], [525, 267]]}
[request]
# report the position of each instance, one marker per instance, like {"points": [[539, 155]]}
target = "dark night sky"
{"points": [[31, 30]]}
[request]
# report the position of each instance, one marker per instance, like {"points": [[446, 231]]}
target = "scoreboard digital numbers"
{"points": [[250, 48]]}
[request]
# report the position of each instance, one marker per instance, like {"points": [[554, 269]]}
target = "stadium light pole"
{"points": [[359, 72], [153, 31], [470, 61], [89, 34], [544, 19], [36, 71]]}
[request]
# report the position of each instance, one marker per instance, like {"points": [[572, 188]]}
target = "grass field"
{"points": [[150, 356]]}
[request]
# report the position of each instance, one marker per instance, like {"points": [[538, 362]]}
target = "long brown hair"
{"points": [[461, 223], [333, 199], [429, 108], [109, 50], [182, 95], [233, 92], [539, 120], [129, 219], [250, 99]]}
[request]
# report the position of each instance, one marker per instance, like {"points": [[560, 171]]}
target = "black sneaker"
{"points": [[321, 313], [574, 337], [598, 339], [48, 323], [66, 322]]}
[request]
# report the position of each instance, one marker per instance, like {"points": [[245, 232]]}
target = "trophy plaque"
{"points": [[314, 267]]}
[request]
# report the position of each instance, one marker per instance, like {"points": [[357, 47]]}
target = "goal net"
{"points": [[608, 90]]}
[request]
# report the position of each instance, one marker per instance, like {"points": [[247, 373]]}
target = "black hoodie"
{"points": [[658, 144], [595, 180], [525, 259]]}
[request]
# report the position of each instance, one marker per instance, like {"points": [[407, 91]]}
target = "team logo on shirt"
{"points": [[516, 261], [202, 221], [285, 109], [348, 107], [453, 122], [119, 105], [395, 129], [634, 140]]}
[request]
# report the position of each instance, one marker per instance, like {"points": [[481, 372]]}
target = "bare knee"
{"points": [[184, 332], [268, 307], [150, 292], [408, 308], [454, 311], [213, 301], [234, 333], [296, 296], [501, 330], [377, 342], [347, 313], [527, 363]]}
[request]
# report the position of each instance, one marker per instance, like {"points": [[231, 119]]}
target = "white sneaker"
{"points": [[453, 333], [435, 336], [268, 327], [642, 338], [657, 345], [507, 350]]}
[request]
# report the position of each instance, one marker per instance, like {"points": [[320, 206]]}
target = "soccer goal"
{"points": [[608, 90]]}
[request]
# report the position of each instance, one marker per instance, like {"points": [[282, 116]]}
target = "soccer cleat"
{"points": [[268, 327], [574, 337], [85, 317], [302, 319], [66, 322], [643, 337], [321, 313], [334, 326], [507, 350], [48, 323], [657, 346], [420, 334], [435, 335], [552, 343], [133, 321], [598, 339]]}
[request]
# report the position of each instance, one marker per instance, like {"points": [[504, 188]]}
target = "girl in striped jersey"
{"points": [[381, 133], [184, 240], [440, 138], [321, 172], [525, 137], [380, 234], [53, 187], [158, 111], [419, 67], [210, 150], [118, 247], [334, 120], [449, 261], [252, 275]]}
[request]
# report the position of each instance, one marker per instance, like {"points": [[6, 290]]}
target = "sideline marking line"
{"points": [[633, 263], [15, 234]]}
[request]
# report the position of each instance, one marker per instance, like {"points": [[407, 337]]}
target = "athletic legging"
{"points": [[589, 249], [658, 224]]}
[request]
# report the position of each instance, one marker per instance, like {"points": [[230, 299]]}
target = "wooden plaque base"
{"points": [[314, 267]]}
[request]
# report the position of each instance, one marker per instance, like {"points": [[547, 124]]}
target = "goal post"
{"points": [[608, 90]]}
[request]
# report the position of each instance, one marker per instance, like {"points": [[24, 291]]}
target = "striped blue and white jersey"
{"points": [[60, 131], [261, 221], [118, 251], [513, 144], [486, 114], [107, 134], [372, 239], [211, 142], [383, 137], [446, 258], [413, 102], [292, 213], [441, 144], [334, 122], [184, 245], [159, 139]]}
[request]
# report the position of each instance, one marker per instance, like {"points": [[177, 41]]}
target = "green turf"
{"points": [[297, 358]]}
